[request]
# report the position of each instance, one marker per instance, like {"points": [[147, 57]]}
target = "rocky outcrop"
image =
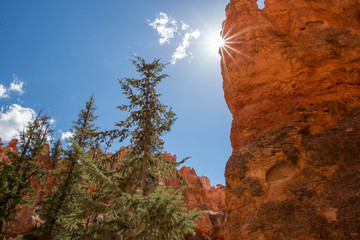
{"points": [[292, 83], [27, 216], [202, 196], [211, 200]]}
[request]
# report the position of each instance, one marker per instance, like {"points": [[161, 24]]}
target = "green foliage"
{"points": [[126, 200], [97, 195], [115, 209], [69, 174], [21, 166], [148, 120], [159, 215], [156, 212]]}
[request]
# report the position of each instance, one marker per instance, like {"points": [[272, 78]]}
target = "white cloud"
{"points": [[52, 122], [181, 50], [184, 26], [3, 92], [13, 120], [165, 27], [66, 135], [15, 86]]}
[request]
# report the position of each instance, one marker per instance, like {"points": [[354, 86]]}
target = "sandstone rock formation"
{"points": [[27, 216], [292, 83], [211, 200], [201, 195]]}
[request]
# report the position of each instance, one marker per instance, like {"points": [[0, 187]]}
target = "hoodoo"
{"points": [[291, 77]]}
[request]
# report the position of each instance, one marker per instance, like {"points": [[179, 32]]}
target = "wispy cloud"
{"points": [[66, 135], [181, 50], [15, 86], [184, 26], [3, 91], [167, 28], [13, 119]]}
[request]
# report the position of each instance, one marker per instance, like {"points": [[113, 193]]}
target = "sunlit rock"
{"points": [[291, 77]]}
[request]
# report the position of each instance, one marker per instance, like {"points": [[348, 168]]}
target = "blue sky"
{"points": [[55, 54]]}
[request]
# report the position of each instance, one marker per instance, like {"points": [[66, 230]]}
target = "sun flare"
{"points": [[219, 42], [215, 42]]}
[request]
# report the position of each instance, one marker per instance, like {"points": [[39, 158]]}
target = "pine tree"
{"points": [[126, 200], [152, 207], [119, 196], [69, 175], [22, 166], [148, 119]]}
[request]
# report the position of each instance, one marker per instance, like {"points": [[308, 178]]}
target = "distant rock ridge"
{"points": [[200, 195], [209, 199], [292, 84]]}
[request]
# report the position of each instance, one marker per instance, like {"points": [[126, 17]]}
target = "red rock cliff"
{"points": [[202, 196], [292, 83], [27, 217], [211, 200]]}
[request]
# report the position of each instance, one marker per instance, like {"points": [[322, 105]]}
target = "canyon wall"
{"points": [[291, 78]]}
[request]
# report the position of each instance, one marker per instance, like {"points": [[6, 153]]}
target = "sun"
{"points": [[215, 42], [224, 43], [219, 42]]}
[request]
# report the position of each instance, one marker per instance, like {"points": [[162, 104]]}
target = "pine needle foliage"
{"points": [[159, 215], [126, 200], [69, 174], [148, 119], [22, 166], [155, 211]]}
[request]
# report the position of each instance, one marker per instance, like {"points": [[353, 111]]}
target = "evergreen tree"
{"points": [[17, 171], [148, 120], [69, 175], [126, 200], [157, 212]]}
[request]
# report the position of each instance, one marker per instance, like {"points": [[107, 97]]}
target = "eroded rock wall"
{"points": [[209, 199], [291, 77]]}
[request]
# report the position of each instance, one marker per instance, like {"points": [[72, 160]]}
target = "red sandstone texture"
{"points": [[27, 216], [211, 200], [200, 194], [292, 83]]}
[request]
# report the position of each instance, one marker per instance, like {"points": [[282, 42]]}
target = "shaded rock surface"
{"points": [[292, 83]]}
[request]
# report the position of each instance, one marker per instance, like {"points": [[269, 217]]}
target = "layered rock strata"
{"points": [[291, 77]]}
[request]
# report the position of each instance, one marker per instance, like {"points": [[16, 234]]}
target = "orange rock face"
{"points": [[201, 195], [292, 83], [27, 217], [211, 200]]}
